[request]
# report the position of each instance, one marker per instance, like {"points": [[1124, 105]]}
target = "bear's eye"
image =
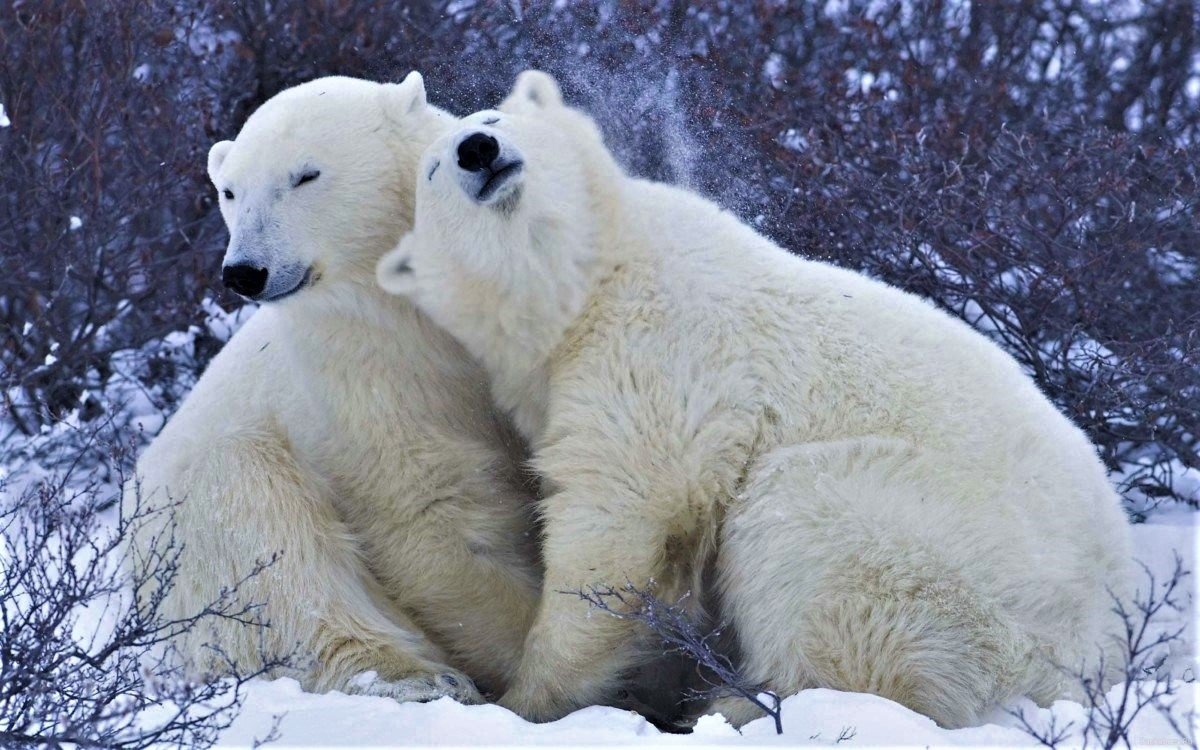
{"points": [[308, 176], [436, 164], [491, 121], [227, 193]]}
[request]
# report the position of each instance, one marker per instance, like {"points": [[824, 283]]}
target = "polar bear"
{"points": [[883, 500], [342, 428]]}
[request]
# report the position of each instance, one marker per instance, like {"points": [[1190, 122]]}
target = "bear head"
{"points": [[518, 210], [511, 193], [319, 183]]}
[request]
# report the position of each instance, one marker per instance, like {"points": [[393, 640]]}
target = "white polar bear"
{"points": [[341, 427], [889, 505]]}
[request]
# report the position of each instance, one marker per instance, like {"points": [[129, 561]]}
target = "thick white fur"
{"points": [[890, 504], [341, 428]]}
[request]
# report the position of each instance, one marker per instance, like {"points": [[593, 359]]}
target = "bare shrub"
{"points": [[82, 662], [680, 634], [106, 229], [1147, 682]]}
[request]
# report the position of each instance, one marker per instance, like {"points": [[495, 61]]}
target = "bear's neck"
{"points": [[353, 324], [520, 330]]}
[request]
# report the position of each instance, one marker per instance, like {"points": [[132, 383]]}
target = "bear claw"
{"points": [[422, 689]]}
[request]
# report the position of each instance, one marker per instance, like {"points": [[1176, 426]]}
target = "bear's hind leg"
{"points": [[826, 585], [246, 499]]}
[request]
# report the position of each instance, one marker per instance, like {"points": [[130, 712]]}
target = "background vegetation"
{"points": [[1029, 166]]}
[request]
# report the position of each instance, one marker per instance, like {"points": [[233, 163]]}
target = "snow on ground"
{"points": [[814, 717]]}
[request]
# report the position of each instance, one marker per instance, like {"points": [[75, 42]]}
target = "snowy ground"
{"points": [[814, 717]]}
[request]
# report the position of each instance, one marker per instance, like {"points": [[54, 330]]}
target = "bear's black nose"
{"points": [[245, 279], [477, 151]]}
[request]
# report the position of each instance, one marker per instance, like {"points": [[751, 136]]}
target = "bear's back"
{"points": [[893, 359]]}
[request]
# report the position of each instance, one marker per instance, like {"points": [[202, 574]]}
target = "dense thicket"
{"points": [[1029, 166]]}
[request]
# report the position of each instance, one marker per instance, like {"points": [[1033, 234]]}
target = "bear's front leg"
{"points": [[574, 657]]}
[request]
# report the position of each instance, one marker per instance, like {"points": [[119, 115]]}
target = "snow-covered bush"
{"points": [[106, 230]]}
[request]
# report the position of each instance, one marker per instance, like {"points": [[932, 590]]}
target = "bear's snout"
{"points": [[245, 279], [489, 167], [477, 151]]}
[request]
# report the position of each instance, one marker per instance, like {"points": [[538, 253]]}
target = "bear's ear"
{"points": [[401, 100], [534, 88], [216, 157], [395, 271]]}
